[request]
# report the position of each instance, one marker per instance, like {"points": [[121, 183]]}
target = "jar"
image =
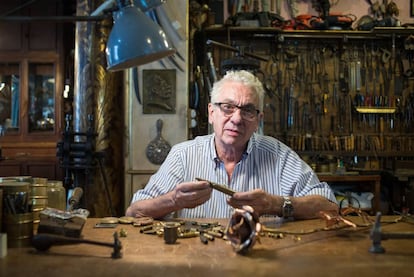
{"points": [[56, 195]]}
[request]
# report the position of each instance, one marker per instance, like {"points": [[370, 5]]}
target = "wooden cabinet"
{"points": [[44, 167], [31, 87]]}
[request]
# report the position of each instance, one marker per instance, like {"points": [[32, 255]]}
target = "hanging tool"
{"points": [[158, 149], [273, 108], [211, 68]]}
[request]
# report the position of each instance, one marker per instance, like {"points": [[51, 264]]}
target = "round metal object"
{"points": [[243, 230], [126, 219], [109, 220], [158, 149]]}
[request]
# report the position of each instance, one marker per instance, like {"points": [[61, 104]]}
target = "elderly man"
{"points": [[265, 173]]}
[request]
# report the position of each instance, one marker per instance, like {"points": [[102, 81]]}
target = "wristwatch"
{"points": [[287, 208]]}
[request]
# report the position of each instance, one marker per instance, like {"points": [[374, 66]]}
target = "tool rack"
{"points": [[347, 94]]}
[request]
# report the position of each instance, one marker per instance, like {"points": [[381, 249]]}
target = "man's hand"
{"points": [[259, 200], [191, 194]]}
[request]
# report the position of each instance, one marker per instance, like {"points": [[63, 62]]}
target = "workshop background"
{"points": [[342, 98]]}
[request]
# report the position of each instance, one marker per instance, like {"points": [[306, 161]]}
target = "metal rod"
{"points": [[219, 187]]}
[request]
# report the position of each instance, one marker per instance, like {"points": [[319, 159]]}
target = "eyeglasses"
{"points": [[248, 112]]}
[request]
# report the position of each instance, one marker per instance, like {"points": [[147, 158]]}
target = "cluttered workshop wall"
{"points": [[339, 94], [291, 9]]}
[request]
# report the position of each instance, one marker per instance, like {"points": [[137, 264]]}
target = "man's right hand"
{"points": [[191, 194]]}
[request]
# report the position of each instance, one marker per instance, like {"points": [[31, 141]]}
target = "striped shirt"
{"points": [[267, 164]]}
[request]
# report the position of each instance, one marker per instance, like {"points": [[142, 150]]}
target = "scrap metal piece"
{"points": [[243, 229]]}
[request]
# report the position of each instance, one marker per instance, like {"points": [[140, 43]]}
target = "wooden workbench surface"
{"points": [[342, 252]]}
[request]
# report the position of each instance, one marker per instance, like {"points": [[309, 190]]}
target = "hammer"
{"points": [[43, 242], [376, 236]]}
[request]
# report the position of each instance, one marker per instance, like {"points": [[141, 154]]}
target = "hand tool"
{"points": [[211, 67], [219, 187], [43, 242], [272, 68], [377, 236], [273, 108], [398, 76], [136, 83], [290, 106]]}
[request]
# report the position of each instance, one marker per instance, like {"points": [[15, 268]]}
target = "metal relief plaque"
{"points": [[159, 91]]}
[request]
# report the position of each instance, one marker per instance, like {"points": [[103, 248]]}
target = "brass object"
{"points": [[219, 187], [109, 220], [171, 232], [159, 91], [126, 219]]}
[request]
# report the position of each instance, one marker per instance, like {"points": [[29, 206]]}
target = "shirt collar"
{"points": [[249, 149]]}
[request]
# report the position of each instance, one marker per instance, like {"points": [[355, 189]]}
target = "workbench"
{"points": [[311, 252], [373, 180]]}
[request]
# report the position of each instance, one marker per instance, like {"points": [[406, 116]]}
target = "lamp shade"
{"points": [[135, 40]]}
